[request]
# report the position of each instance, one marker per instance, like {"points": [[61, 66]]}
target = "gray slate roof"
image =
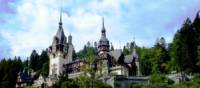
{"points": [[129, 58], [103, 40], [116, 54], [60, 37]]}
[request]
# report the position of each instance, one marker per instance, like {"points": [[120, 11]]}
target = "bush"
{"points": [[157, 78], [170, 82], [136, 85], [118, 85]]}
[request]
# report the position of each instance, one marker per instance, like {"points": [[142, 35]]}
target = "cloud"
{"points": [[6, 6], [35, 22], [39, 22]]}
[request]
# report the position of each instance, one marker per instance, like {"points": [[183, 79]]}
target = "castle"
{"points": [[62, 61], [60, 53]]}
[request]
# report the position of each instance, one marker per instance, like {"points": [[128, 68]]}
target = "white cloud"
{"points": [[38, 24]]}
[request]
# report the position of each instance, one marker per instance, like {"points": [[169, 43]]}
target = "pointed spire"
{"points": [[103, 31], [198, 13], [103, 23], [60, 23], [70, 39], [112, 47], [60, 35]]}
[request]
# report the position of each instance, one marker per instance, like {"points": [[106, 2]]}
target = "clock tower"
{"points": [[59, 53], [103, 45]]}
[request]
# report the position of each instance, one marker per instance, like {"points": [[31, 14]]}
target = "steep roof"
{"points": [[60, 37], [132, 57], [103, 40], [116, 54]]}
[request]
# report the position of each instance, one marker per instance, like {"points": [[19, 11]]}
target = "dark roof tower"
{"points": [[103, 44], [103, 30], [70, 39], [60, 37]]}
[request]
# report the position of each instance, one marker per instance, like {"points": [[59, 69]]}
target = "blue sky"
{"points": [[31, 24]]}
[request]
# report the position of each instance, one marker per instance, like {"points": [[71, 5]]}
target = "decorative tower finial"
{"points": [[60, 37], [103, 44], [103, 22], [103, 31], [70, 39], [198, 13], [60, 23]]}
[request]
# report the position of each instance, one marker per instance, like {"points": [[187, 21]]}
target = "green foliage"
{"points": [[104, 86], [126, 51], [155, 59], [198, 56], [136, 85], [31, 86], [9, 68], [87, 50], [34, 59], [92, 75], [157, 78], [39, 63], [146, 56], [45, 69], [8, 72], [185, 47], [188, 84], [155, 81], [117, 85], [69, 84], [170, 82], [64, 82]]}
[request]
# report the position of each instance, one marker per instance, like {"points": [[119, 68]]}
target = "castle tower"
{"points": [[136, 59], [70, 49], [103, 52], [70, 39], [103, 44], [58, 53]]}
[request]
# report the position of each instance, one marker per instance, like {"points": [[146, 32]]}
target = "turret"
{"points": [[58, 53], [70, 39], [103, 45], [60, 37]]}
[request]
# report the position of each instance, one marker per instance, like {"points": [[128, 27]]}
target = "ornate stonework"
{"points": [[60, 53]]}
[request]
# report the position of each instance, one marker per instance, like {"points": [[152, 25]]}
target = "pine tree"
{"points": [[34, 60]]}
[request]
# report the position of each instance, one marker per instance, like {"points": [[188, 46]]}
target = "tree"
{"points": [[64, 82], [158, 81], [125, 51], [9, 69], [34, 59], [146, 64], [86, 50], [92, 75], [184, 48], [136, 85], [161, 55], [44, 63]]}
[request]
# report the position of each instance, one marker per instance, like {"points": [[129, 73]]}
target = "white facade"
{"points": [[70, 54], [60, 53], [119, 70], [56, 64]]}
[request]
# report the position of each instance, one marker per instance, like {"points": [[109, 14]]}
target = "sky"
{"points": [[31, 24]]}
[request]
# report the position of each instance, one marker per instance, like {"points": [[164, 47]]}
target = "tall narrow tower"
{"points": [[70, 49], [103, 45], [58, 52], [103, 52]]}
